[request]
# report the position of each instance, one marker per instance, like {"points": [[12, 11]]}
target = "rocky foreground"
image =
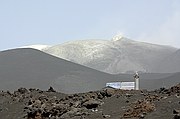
{"points": [[106, 103]]}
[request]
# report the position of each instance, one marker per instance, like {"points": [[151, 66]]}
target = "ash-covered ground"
{"points": [[106, 103]]}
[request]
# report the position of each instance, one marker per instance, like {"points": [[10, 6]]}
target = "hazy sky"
{"points": [[27, 22]]}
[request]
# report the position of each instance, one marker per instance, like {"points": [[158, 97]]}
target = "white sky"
{"points": [[27, 22]]}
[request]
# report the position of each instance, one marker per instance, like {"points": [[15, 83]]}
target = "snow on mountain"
{"points": [[38, 47], [118, 55]]}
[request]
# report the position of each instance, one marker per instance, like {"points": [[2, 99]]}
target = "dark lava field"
{"points": [[106, 103]]}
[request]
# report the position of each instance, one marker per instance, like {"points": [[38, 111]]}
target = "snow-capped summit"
{"points": [[119, 55]]}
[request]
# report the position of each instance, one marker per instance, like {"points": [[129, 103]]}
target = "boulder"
{"points": [[92, 104], [51, 89], [22, 90]]}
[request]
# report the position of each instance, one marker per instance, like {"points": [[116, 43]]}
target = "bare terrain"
{"points": [[106, 103], [77, 92], [32, 68]]}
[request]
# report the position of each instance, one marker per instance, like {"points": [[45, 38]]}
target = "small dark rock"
{"points": [[91, 104], [109, 92], [177, 116], [176, 111], [106, 116], [34, 114], [8, 92], [51, 89], [22, 90]]}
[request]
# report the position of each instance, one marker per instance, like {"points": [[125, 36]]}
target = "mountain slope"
{"points": [[119, 55], [152, 81], [171, 63], [33, 68]]}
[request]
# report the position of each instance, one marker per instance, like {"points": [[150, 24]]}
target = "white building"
{"points": [[122, 85]]}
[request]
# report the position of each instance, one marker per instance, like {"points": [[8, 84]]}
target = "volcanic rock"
{"points": [[92, 104]]}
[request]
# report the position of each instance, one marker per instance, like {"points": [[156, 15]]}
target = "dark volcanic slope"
{"points": [[33, 68], [155, 81], [152, 81]]}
